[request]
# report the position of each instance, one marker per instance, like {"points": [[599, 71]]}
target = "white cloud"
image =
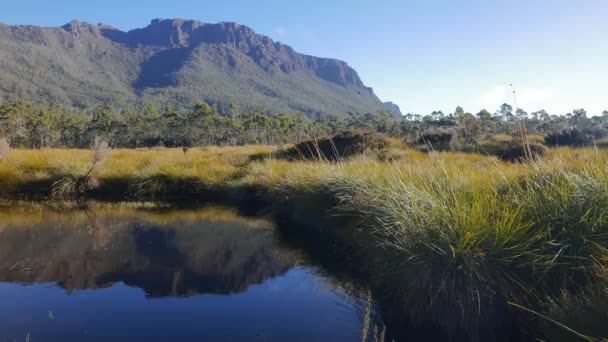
{"points": [[529, 98]]}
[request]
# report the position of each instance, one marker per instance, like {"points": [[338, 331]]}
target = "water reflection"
{"points": [[125, 274], [165, 256]]}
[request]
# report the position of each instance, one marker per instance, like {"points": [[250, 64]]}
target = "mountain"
{"points": [[392, 108], [173, 62]]}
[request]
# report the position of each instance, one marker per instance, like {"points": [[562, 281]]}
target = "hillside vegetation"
{"points": [[173, 62]]}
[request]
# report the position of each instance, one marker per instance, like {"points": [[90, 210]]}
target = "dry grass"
{"points": [[147, 171]]}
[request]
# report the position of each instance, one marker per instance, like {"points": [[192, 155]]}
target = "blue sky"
{"points": [[423, 55]]}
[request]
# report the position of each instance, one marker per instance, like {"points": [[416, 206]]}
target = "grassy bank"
{"points": [[454, 239], [151, 174], [449, 238]]}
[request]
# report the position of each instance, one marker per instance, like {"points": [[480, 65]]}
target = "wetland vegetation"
{"points": [[458, 241]]}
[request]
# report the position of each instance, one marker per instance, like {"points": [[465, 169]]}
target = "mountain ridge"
{"points": [[174, 62], [392, 108]]}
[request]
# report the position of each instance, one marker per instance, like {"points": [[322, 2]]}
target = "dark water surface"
{"points": [[141, 275]]}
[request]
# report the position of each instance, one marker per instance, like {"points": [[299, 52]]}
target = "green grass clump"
{"points": [[454, 214]]}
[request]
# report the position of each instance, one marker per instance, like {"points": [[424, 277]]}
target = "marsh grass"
{"points": [[464, 231], [74, 180], [461, 231], [123, 174], [370, 331]]}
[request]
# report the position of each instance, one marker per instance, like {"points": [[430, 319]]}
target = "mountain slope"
{"points": [[392, 108], [173, 62]]}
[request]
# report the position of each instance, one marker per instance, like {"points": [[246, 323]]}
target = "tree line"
{"points": [[575, 128], [27, 125]]}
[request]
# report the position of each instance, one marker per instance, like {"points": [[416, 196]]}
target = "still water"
{"points": [[145, 275]]}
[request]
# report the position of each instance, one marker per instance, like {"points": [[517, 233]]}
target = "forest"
{"points": [[28, 125]]}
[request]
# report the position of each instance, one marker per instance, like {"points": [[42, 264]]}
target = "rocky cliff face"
{"points": [[392, 108], [174, 62]]}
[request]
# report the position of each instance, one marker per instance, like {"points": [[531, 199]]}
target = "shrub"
{"points": [[570, 137], [439, 140], [520, 152], [342, 145]]}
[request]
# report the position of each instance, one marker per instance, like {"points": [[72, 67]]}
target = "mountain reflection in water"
{"points": [[85, 271], [180, 258]]}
